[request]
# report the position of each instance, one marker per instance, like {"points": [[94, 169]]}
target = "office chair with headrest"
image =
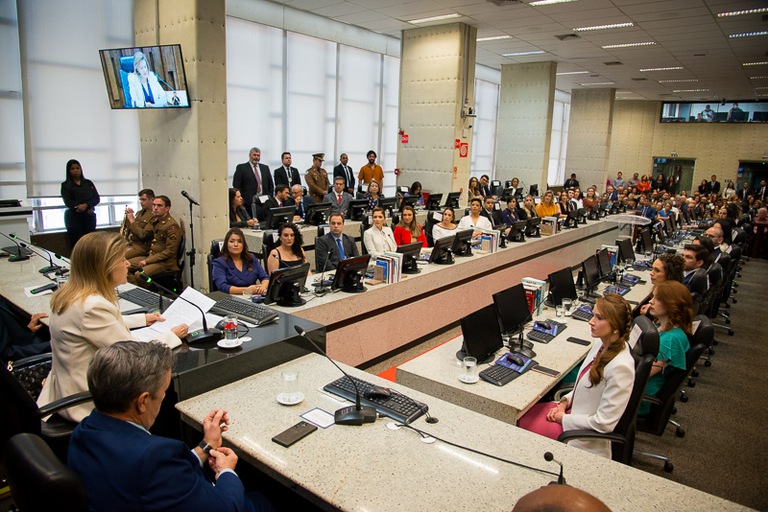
{"points": [[428, 225], [172, 279], [269, 242], [622, 438], [39, 480], [213, 253]]}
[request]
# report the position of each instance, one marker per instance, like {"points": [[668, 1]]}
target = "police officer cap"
{"points": [[319, 156]]}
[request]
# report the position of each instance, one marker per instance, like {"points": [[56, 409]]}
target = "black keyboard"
{"points": [[582, 313], [539, 337], [397, 406], [499, 375], [144, 298], [246, 311]]}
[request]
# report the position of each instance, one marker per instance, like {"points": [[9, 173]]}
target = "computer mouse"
{"points": [[543, 324], [515, 359], [377, 392]]}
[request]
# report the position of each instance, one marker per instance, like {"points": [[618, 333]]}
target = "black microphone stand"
{"points": [[191, 251]]}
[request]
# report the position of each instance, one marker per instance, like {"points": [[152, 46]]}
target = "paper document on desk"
{"points": [[182, 312]]}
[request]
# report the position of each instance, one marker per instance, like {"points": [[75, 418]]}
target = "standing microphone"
{"points": [[201, 335], [28, 245], [550, 458], [353, 414], [20, 255], [190, 198]]}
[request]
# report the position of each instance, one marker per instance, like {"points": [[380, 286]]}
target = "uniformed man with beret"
{"points": [[165, 243], [137, 227], [317, 179]]}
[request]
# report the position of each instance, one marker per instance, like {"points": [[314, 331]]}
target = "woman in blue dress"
{"points": [[236, 269]]}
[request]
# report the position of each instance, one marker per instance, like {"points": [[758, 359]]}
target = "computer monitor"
{"points": [[441, 251], [561, 286], [357, 209], [462, 243], [533, 227], [452, 200], [604, 262], [318, 213], [433, 203], [506, 194], [590, 270], [285, 285], [645, 240], [626, 252], [673, 222], [571, 220], [350, 273], [411, 201], [668, 226], [512, 307], [582, 214], [517, 231], [388, 204], [534, 190], [279, 216], [410, 254], [482, 335]]}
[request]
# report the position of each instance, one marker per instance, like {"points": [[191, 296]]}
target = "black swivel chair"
{"points": [[213, 253], [39, 480], [623, 436], [173, 278], [268, 243], [428, 225]]}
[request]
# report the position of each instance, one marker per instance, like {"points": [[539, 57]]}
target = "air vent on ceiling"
{"points": [[564, 37], [665, 94], [639, 79], [699, 54], [503, 3], [613, 63]]}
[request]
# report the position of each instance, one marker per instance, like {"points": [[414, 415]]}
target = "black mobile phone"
{"points": [[294, 434], [545, 370]]}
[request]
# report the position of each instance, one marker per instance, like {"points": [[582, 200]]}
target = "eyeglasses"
{"points": [[708, 235]]}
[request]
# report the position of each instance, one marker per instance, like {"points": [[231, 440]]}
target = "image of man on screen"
{"points": [[144, 86]]}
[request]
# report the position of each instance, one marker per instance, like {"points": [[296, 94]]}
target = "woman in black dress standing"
{"points": [[80, 197]]}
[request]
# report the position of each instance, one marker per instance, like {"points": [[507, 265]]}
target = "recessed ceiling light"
{"points": [[598, 83], [573, 73], [761, 87], [739, 13], [604, 27], [680, 81], [749, 34], [627, 45], [435, 18], [671, 68], [691, 90], [761, 63], [492, 38], [521, 54], [539, 3]]}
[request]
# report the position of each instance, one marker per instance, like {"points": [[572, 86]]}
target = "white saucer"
{"points": [[245, 338], [290, 398], [468, 380], [229, 344]]}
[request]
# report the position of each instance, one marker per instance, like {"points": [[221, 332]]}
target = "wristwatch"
{"points": [[205, 447]]}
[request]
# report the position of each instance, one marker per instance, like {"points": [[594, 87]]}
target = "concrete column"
{"points": [[437, 75], [186, 149], [589, 136], [524, 126]]}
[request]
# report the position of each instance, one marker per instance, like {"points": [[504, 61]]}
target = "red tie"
{"points": [[339, 199]]}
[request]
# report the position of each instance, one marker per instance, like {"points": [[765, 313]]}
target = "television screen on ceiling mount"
{"points": [[145, 77], [705, 112]]}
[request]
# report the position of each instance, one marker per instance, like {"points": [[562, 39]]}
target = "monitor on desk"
{"points": [[318, 213], [433, 203], [668, 226], [482, 335], [357, 209], [462, 243], [561, 286], [388, 204], [645, 242], [285, 285], [452, 200], [533, 228], [411, 253], [625, 249], [604, 262], [441, 251], [411, 201], [517, 231], [279, 216], [590, 269], [350, 273], [512, 308]]}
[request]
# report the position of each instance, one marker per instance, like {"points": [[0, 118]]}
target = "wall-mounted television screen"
{"points": [[715, 112], [146, 77]]}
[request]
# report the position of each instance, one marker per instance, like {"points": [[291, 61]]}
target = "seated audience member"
{"points": [[672, 307], [644, 185], [339, 199], [21, 337], [137, 227], [379, 238], [646, 210], [85, 316], [559, 498], [547, 206], [513, 213], [474, 219], [485, 189], [409, 230], [238, 215], [696, 261], [529, 207], [603, 386], [415, 191], [633, 181], [591, 200], [667, 267], [301, 201], [282, 198], [446, 226], [334, 246], [571, 182], [124, 467], [236, 269], [373, 195], [517, 190], [489, 211], [290, 252], [564, 205], [163, 252], [473, 188]]}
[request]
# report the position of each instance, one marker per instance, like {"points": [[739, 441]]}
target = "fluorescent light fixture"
{"points": [[761, 77], [749, 34], [628, 45], [679, 81], [761, 88], [492, 38], [739, 13], [671, 68], [598, 83], [435, 18], [761, 63], [539, 3], [690, 90], [573, 73], [521, 54], [604, 27]]}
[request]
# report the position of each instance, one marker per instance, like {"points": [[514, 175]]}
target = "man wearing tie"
{"points": [[713, 186], [301, 201], [762, 192], [646, 210], [282, 198], [334, 246], [340, 199], [285, 174], [253, 179], [345, 171]]}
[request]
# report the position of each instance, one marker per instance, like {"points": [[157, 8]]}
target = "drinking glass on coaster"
{"points": [[290, 394], [468, 373], [559, 311], [567, 306], [230, 328]]}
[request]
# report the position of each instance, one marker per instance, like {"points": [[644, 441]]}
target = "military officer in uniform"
{"points": [[317, 179], [165, 244], [137, 227]]}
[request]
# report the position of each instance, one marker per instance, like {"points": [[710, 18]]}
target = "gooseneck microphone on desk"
{"points": [[28, 245], [551, 458], [353, 414], [203, 335], [20, 255]]}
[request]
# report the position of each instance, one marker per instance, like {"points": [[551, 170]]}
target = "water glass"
{"points": [[559, 311], [289, 386], [230, 327], [247, 294], [469, 370], [629, 263], [567, 306]]}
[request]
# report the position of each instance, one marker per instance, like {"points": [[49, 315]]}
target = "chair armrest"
{"points": [[30, 360], [64, 403], [570, 435], [562, 391], [651, 400]]}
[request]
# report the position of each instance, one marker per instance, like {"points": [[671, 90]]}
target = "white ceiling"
{"points": [[687, 33]]}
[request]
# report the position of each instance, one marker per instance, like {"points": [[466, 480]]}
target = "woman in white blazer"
{"points": [[145, 88], [604, 384], [85, 317], [379, 238]]}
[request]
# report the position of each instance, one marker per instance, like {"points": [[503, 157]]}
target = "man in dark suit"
{"points": [[340, 199], [485, 189], [346, 172], [334, 246], [253, 178], [762, 191], [713, 186], [490, 212], [282, 198], [646, 210], [123, 466], [285, 174], [571, 182], [301, 202], [696, 262]]}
